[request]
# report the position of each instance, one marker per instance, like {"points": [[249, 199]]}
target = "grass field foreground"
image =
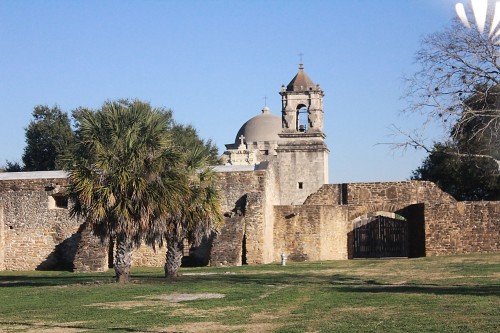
{"points": [[438, 294]]}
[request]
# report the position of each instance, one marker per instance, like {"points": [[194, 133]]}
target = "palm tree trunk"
{"points": [[174, 254], [123, 259]]}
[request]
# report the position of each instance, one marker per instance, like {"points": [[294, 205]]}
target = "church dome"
{"points": [[264, 127]]}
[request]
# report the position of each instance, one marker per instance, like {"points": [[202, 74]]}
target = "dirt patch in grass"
{"points": [[155, 300], [176, 298], [218, 327], [273, 289], [42, 327], [204, 313]]}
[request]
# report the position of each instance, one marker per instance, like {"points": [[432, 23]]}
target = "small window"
{"points": [[58, 202], [301, 185], [343, 194]]}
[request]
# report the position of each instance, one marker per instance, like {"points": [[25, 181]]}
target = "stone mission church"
{"points": [[276, 200]]}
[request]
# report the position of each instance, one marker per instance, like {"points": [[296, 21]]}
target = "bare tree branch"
{"points": [[457, 86]]}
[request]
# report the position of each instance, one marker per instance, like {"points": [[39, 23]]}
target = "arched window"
{"points": [[302, 119]]}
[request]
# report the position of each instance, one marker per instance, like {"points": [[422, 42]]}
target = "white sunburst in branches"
{"points": [[482, 14], [457, 83]]}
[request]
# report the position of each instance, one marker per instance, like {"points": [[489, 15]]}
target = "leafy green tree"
{"points": [[468, 165], [464, 176], [125, 176], [187, 138], [49, 140], [12, 167]]}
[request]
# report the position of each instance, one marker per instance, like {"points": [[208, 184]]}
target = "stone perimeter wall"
{"points": [[35, 236], [319, 229], [464, 227]]}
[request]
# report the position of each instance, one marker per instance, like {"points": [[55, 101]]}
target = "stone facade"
{"points": [[248, 197], [36, 231], [274, 199], [438, 224], [35, 234]]}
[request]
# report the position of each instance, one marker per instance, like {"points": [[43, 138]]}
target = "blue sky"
{"points": [[213, 62]]}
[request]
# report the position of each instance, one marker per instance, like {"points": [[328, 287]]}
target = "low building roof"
{"points": [[33, 175]]}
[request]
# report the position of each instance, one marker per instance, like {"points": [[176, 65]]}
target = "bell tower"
{"points": [[302, 152], [302, 105]]}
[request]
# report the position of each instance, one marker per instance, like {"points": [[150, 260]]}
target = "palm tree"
{"points": [[198, 214], [125, 174]]}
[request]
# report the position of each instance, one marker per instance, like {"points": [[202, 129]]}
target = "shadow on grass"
{"points": [[484, 290], [41, 281], [62, 327], [336, 282], [346, 283]]}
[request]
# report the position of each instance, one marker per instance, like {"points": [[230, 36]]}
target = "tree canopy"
{"points": [[457, 85], [465, 177], [137, 175], [127, 179], [49, 140]]}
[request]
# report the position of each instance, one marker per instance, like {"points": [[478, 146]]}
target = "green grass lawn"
{"points": [[439, 294]]}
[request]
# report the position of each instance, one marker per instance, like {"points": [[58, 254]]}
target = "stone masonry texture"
{"points": [[35, 234]]}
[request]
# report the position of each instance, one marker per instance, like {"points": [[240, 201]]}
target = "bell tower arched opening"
{"points": [[302, 119]]}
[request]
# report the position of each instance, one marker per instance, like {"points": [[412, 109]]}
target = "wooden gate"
{"points": [[380, 237]]}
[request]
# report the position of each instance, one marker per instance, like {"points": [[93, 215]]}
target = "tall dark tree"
{"points": [[457, 86], [125, 176], [12, 167], [464, 176], [467, 166], [49, 140]]}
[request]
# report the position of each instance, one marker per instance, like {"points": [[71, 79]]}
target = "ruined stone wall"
{"points": [[227, 246], [91, 254], [34, 235], [146, 256], [334, 231], [254, 228], [240, 192], [234, 185], [271, 198]]}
